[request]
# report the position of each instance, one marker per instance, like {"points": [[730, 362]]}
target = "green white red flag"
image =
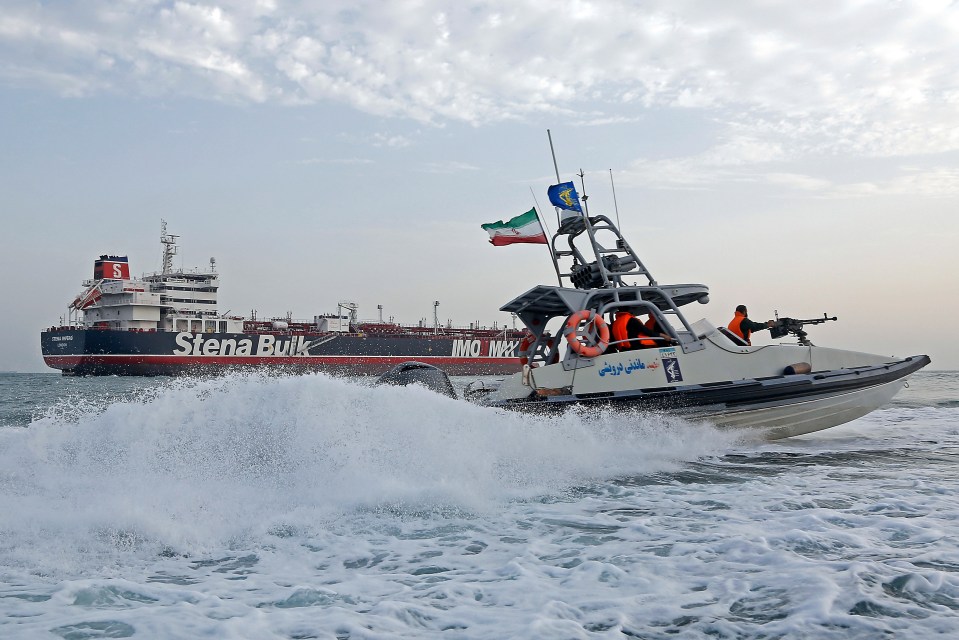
{"points": [[525, 228]]}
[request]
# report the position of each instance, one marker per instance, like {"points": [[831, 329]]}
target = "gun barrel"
{"points": [[816, 320]]}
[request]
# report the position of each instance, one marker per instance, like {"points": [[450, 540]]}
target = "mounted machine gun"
{"points": [[786, 326]]}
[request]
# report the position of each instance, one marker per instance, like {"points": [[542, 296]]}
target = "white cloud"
{"points": [[821, 77], [451, 166], [797, 181], [393, 141], [935, 182]]}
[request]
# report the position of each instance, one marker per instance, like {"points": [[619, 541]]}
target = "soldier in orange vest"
{"points": [[654, 328], [630, 332], [742, 326]]}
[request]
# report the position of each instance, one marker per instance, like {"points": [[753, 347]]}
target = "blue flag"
{"points": [[564, 196]]}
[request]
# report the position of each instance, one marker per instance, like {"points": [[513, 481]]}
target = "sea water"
{"points": [[314, 507]]}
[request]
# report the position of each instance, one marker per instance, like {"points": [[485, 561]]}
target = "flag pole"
{"points": [[536, 202], [556, 167], [553, 151], [549, 245]]}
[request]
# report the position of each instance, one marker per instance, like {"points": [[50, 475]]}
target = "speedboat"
{"points": [[694, 370]]}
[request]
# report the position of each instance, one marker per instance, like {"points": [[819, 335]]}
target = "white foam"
{"points": [[257, 507], [200, 463]]}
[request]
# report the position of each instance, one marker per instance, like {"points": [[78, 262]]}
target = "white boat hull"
{"points": [[779, 406], [806, 416]]}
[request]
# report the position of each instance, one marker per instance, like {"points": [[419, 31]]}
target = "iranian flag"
{"points": [[524, 228]]}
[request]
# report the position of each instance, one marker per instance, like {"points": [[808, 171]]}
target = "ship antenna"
{"points": [[169, 247], [615, 205], [582, 182]]}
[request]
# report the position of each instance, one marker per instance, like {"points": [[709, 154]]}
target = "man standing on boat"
{"points": [[742, 326]]}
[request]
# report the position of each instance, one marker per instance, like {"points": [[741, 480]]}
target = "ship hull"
{"points": [[133, 353]]}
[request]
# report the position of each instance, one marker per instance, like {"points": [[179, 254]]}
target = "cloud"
{"points": [[934, 182], [841, 76], [451, 166], [393, 141]]}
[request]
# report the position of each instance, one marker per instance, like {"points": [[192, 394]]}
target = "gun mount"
{"points": [[785, 326]]}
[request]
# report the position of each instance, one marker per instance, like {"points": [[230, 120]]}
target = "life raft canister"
{"points": [[581, 343]]}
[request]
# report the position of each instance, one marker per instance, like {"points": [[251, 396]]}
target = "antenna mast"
{"points": [[612, 265], [615, 205], [169, 247]]}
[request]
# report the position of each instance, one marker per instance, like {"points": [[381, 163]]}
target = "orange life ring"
{"points": [[580, 343]]}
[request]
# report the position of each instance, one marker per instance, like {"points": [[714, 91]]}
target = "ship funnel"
{"points": [[112, 268]]}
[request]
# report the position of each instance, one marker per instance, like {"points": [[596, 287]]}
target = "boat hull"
{"points": [[780, 406], [131, 353], [808, 416]]}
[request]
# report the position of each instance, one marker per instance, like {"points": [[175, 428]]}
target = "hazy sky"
{"points": [[794, 156]]}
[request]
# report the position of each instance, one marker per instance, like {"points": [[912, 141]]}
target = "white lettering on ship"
{"points": [[474, 348], [502, 349], [197, 344]]}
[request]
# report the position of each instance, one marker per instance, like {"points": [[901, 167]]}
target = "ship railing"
{"points": [[195, 271]]}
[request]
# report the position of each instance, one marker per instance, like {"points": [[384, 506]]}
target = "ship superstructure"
{"points": [[169, 300]]}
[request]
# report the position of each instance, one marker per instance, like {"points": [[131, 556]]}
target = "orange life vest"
{"points": [[645, 341], [734, 326], [619, 330], [621, 333]]}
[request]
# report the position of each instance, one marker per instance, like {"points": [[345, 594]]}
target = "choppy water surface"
{"points": [[311, 507]]}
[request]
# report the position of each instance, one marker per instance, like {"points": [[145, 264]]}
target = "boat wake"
{"points": [[196, 464]]}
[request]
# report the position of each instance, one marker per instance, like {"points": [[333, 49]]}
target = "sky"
{"points": [[797, 157]]}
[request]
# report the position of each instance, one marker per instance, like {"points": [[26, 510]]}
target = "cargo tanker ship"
{"points": [[167, 323]]}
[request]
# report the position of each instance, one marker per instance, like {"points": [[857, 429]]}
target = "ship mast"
{"points": [[169, 248]]}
